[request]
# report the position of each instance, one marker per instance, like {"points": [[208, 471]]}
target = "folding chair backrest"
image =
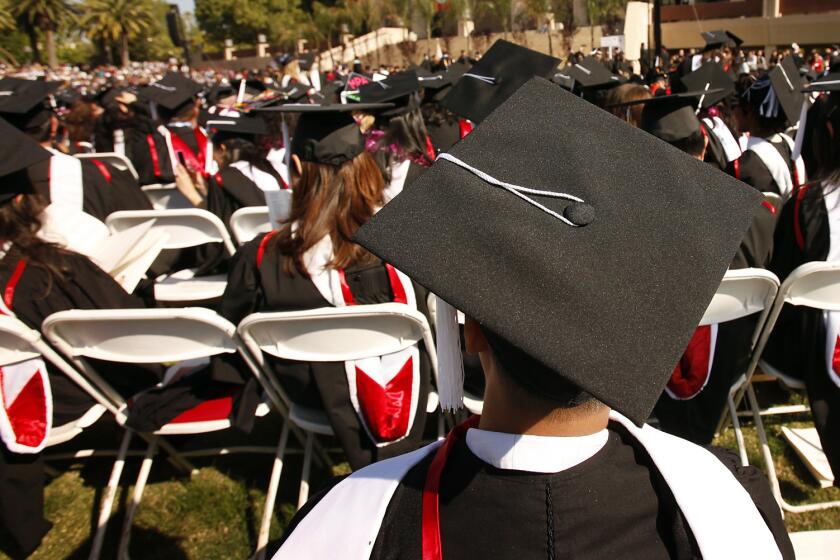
{"points": [[814, 284], [741, 292], [185, 228], [247, 223], [117, 160], [166, 197], [336, 334], [140, 336]]}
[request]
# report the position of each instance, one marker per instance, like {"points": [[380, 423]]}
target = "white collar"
{"points": [[529, 453]]}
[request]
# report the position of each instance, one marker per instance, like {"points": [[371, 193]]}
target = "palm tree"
{"points": [[117, 21], [45, 16]]}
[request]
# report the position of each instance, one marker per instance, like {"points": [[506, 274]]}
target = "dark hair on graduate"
{"points": [[750, 99], [624, 94], [241, 149], [19, 225], [533, 377], [79, 121], [335, 201], [821, 146], [405, 138], [693, 145]]}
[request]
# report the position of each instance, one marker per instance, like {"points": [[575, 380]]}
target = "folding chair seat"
{"points": [[815, 285], [332, 334], [185, 228], [816, 545], [166, 197], [247, 223], [117, 160], [160, 336]]}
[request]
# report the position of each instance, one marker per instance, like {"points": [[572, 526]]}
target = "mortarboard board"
{"points": [[661, 229], [672, 117], [251, 125], [399, 89], [830, 82], [24, 103], [719, 39], [494, 78], [438, 85], [327, 133], [786, 84], [589, 73], [17, 152], [708, 77], [172, 92]]}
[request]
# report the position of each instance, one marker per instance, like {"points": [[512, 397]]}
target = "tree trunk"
{"points": [[33, 44], [124, 60], [49, 39]]}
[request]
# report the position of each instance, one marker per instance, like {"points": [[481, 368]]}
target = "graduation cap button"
{"points": [[579, 213]]}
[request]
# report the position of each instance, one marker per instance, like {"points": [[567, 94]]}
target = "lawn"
{"points": [[216, 512]]}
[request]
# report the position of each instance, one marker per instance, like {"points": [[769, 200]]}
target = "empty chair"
{"points": [[158, 336], [166, 197], [185, 228], [247, 223]]}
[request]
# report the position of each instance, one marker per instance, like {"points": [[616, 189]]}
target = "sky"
{"points": [[184, 5]]}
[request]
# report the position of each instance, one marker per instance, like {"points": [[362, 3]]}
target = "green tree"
{"points": [[502, 10], [45, 16], [117, 22], [426, 9], [242, 21]]}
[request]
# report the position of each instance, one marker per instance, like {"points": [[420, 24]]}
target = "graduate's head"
{"points": [[821, 144], [770, 103], [239, 139], [174, 96], [625, 93], [576, 240]]}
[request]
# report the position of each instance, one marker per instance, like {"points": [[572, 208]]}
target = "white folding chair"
{"points": [[816, 545], [185, 228], [815, 285], [117, 160], [741, 293], [160, 336], [166, 197], [19, 342], [247, 223], [331, 334]]}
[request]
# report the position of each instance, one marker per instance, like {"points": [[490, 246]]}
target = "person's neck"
{"points": [[502, 412]]}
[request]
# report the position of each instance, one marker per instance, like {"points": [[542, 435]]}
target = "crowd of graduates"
{"points": [[345, 143]]}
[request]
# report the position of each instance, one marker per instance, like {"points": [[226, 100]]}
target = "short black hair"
{"points": [[693, 145]]}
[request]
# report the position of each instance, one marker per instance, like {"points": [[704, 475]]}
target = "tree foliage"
{"points": [[243, 21], [45, 16], [117, 22]]}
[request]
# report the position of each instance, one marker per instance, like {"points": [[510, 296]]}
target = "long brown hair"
{"points": [[19, 224], [334, 201]]}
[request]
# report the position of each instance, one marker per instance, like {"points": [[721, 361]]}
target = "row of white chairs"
{"points": [[174, 335]]}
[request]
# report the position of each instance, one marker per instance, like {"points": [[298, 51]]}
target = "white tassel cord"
{"points": [[450, 360]]}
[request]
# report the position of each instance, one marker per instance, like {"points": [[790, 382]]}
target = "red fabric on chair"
{"points": [[214, 409]]}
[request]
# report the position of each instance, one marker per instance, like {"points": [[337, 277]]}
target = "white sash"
{"points": [[720, 513], [399, 173], [727, 140], [66, 187], [775, 163]]}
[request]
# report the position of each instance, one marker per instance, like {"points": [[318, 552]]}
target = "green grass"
{"points": [[216, 512]]}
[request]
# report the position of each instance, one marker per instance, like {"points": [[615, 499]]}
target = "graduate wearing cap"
{"points": [[377, 406], [765, 108], [580, 290], [589, 78], [441, 123], [696, 394], [804, 341], [177, 138], [69, 183], [37, 279], [401, 143]]}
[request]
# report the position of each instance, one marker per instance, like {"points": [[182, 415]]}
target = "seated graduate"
{"points": [[695, 397], [804, 341], [582, 278], [442, 124], [312, 262], [76, 185], [38, 278], [766, 106], [399, 141], [117, 122]]}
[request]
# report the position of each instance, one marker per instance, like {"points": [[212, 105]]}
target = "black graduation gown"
{"points": [[696, 419], [96, 199], [121, 190], [613, 505], [797, 344], [229, 190], [149, 153], [444, 135], [753, 171], [321, 385]]}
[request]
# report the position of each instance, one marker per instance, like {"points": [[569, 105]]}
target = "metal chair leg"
{"points": [[142, 477], [739, 435], [271, 496], [108, 499], [303, 495]]}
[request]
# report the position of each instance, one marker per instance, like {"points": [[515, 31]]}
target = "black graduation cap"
{"points": [[401, 89], [439, 84], [831, 82], [671, 117], [252, 86], [709, 76], [589, 73], [17, 152], [608, 306], [250, 125], [719, 39], [306, 60], [494, 78], [786, 84], [327, 133], [25, 103], [172, 92]]}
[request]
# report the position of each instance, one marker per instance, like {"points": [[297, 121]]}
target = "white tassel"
{"points": [[450, 360]]}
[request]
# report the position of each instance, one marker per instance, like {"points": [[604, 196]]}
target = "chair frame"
{"points": [[112, 155], [78, 354], [242, 215], [248, 331], [794, 291], [157, 193]]}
